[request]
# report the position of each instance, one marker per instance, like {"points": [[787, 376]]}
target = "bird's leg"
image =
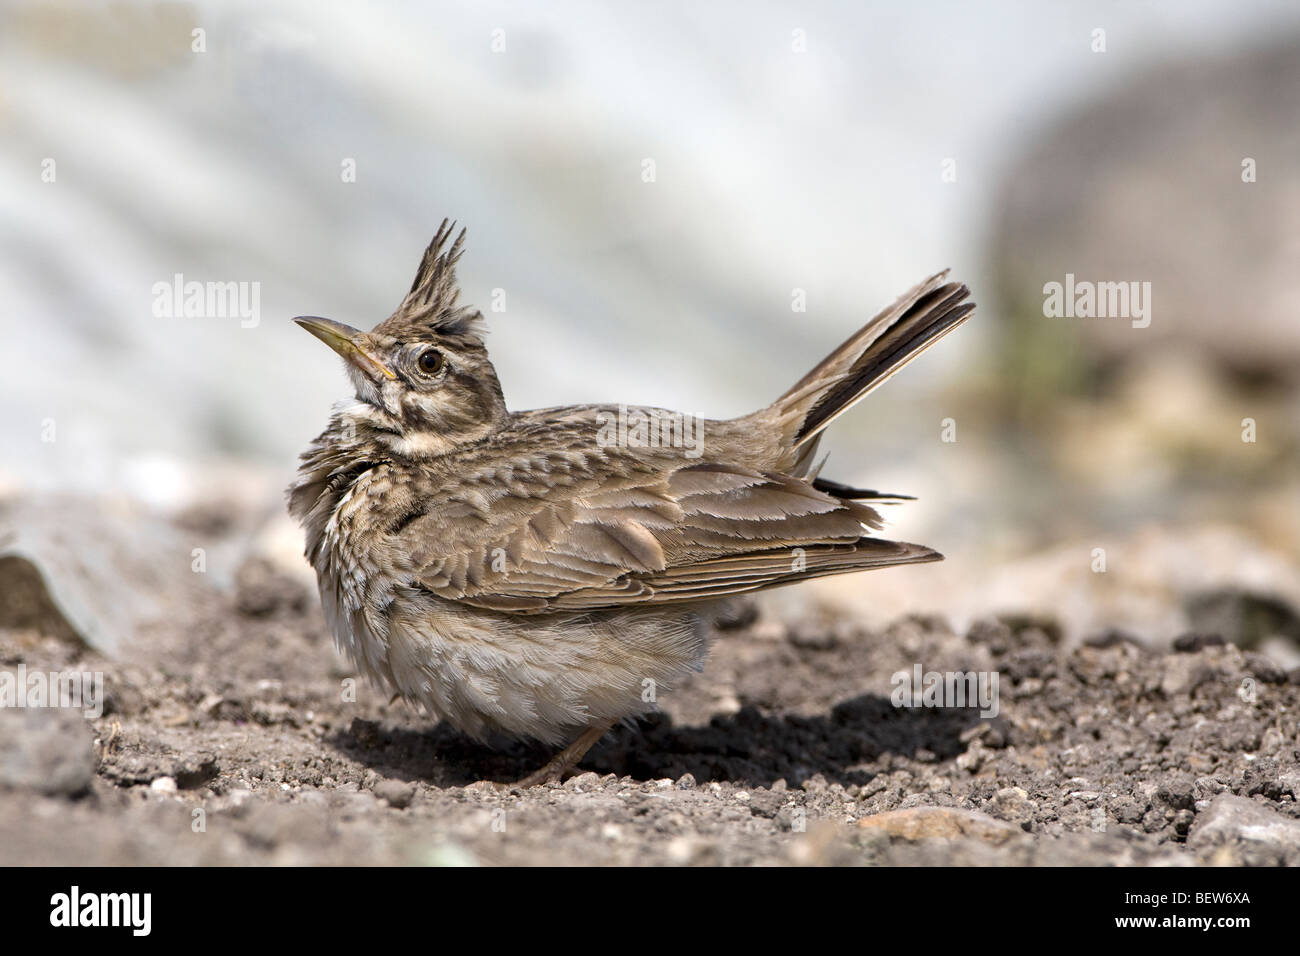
{"points": [[565, 760]]}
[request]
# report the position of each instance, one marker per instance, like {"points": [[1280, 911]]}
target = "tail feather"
{"points": [[849, 493], [879, 349]]}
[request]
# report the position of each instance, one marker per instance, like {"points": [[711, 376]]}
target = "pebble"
{"points": [[395, 793], [583, 781], [1183, 674], [945, 823]]}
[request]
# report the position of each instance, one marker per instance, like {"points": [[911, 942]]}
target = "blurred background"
{"points": [[684, 207]]}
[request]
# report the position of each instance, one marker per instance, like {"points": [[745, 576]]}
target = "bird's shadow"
{"points": [[848, 745]]}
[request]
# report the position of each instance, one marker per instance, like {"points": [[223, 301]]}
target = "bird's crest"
{"points": [[431, 303]]}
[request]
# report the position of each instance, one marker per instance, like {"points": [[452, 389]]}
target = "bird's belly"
{"points": [[541, 677]]}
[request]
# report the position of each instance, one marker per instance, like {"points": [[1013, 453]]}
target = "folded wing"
{"points": [[671, 532]]}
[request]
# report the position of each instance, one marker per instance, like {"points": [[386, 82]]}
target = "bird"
{"points": [[546, 574]]}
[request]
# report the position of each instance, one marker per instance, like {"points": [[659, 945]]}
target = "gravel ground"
{"points": [[227, 738]]}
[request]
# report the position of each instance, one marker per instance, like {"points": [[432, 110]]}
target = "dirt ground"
{"points": [[227, 739]]}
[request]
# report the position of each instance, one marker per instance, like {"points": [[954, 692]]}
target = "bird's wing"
{"points": [[544, 533]]}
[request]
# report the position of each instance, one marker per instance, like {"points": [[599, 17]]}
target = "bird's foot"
{"points": [[558, 766]]}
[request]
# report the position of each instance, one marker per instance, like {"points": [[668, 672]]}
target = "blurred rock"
{"points": [[262, 589], [1107, 196], [98, 570], [943, 823], [1245, 619], [46, 749], [28, 603], [1153, 586], [396, 793], [1250, 831], [279, 543]]}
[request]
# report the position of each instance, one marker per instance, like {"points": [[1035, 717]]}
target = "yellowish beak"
{"points": [[347, 341]]}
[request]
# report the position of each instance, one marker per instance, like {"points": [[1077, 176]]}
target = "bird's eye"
{"points": [[430, 361]]}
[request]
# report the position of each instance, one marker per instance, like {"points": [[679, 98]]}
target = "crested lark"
{"points": [[534, 573]]}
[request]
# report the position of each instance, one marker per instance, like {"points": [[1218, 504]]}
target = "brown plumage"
{"points": [[542, 573]]}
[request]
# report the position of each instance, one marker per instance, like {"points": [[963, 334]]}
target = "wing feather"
{"points": [[591, 530]]}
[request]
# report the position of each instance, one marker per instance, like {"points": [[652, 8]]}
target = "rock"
{"points": [[736, 614], [97, 571], [137, 767], [1263, 777], [765, 803], [28, 603], [1112, 637], [1183, 674], [49, 750], [1264, 669], [1013, 805], [1071, 205], [1031, 662], [1191, 643], [1176, 793], [973, 758], [1244, 617], [262, 589], [583, 781], [270, 825], [813, 639], [1257, 833], [395, 793], [940, 823], [1128, 810]]}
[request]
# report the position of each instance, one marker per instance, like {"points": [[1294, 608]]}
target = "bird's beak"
{"points": [[348, 342]]}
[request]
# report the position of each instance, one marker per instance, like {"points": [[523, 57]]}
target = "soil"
{"points": [[229, 738]]}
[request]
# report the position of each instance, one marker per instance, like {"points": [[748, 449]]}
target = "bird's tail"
{"points": [[875, 352]]}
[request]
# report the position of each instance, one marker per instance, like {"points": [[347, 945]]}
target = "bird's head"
{"points": [[423, 374]]}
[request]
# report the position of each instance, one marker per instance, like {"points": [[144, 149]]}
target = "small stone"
{"points": [[815, 640], [686, 782], [727, 704], [765, 803], [682, 849], [261, 589], [1129, 810], [1111, 638], [736, 614], [1191, 643], [1183, 674], [1013, 805], [1176, 794], [1264, 668], [395, 793], [973, 757], [815, 784], [943, 823], [583, 781]]}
